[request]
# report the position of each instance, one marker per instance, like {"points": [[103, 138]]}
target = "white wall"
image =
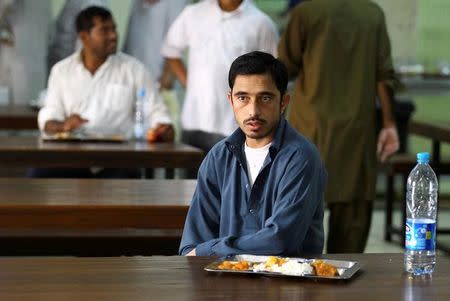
{"points": [[401, 19], [119, 8]]}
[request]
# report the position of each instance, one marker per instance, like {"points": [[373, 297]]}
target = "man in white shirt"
{"points": [[216, 32], [94, 89]]}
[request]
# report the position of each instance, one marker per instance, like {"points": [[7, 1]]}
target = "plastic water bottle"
{"points": [[421, 211], [139, 115]]}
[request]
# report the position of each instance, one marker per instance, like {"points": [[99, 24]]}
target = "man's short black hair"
{"points": [[85, 19], [258, 62]]}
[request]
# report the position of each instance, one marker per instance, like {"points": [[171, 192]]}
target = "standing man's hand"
{"points": [[388, 143], [73, 122], [178, 68]]}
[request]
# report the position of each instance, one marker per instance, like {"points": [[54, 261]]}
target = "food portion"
{"points": [[322, 268], [234, 265], [285, 266], [77, 136], [62, 135], [152, 135]]}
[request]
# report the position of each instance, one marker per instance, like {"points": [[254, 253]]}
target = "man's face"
{"points": [[102, 39], [230, 4], [257, 107]]}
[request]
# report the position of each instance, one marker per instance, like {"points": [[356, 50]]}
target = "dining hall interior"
{"points": [[224, 149]]}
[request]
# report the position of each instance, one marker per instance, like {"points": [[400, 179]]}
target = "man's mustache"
{"points": [[254, 119]]}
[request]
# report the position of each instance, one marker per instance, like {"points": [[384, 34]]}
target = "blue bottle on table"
{"points": [[139, 115], [421, 212]]}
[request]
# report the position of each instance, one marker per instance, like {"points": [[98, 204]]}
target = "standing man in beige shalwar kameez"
{"points": [[339, 50]]}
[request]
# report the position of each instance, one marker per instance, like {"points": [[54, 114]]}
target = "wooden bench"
{"points": [[92, 217], [400, 165]]}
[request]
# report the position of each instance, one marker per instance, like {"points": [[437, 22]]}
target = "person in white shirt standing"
{"points": [[94, 89], [215, 32]]}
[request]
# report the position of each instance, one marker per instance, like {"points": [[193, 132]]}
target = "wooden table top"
{"points": [[434, 130], [183, 278], [18, 117], [425, 75], [91, 204], [33, 152]]}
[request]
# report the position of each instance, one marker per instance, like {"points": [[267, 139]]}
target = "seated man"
{"points": [[95, 89], [259, 191]]}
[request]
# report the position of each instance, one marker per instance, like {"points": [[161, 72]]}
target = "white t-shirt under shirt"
{"points": [[215, 38], [255, 159]]}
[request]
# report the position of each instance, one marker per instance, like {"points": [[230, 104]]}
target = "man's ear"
{"points": [[230, 97], [284, 102], [83, 36]]}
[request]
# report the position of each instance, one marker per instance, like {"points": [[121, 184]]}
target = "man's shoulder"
{"points": [[375, 10], [67, 64], [124, 61], [197, 8], [258, 15], [127, 60], [219, 149]]}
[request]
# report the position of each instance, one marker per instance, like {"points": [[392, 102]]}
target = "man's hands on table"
{"points": [[71, 123], [74, 122]]}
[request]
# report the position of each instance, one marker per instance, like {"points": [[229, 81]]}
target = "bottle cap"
{"points": [[141, 93], [423, 157]]}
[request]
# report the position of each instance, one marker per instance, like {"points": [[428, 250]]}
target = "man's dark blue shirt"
{"points": [[282, 214]]}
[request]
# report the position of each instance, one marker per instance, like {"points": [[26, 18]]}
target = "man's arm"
{"points": [[388, 142], [268, 37], [52, 116], [73, 122], [177, 40], [157, 112], [178, 68], [202, 221], [300, 195]]}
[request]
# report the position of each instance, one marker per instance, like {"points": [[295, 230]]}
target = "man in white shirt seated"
{"points": [[95, 89]]}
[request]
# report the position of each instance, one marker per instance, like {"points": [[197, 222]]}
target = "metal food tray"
{"points": [[346, 269], [84, 138]]}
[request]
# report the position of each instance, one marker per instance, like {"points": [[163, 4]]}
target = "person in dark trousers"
{"points": [[339, 52]]}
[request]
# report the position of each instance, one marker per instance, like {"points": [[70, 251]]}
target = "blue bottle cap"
{"points": [[423, 157], [141, 93]]}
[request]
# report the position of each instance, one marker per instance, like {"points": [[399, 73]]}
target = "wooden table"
{"points": [[32, 152], [183, 278], [18, 117], [425, 83], [90, 216], [437, 131]]}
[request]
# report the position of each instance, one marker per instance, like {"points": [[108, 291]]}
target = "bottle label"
{"points": [[420, 236]]}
